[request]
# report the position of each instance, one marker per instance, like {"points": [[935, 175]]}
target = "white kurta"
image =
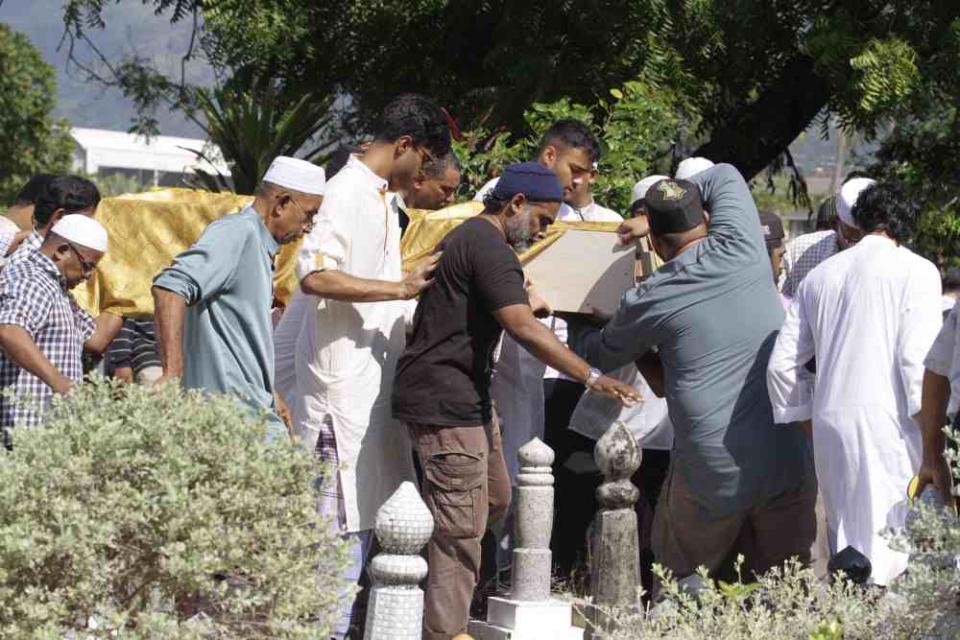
{"points": [[869, 315], [346, 353]]}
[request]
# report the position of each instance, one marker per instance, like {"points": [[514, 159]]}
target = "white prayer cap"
{"points": [[295, 174], [847, 198], [640, 189], [82, 230], [691, 167]]}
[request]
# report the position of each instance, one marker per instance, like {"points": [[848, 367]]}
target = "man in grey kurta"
{"points": [[713, 312], [213, 303]]}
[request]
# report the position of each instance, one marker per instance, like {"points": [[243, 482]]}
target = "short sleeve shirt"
{"points": [[944, 357], [34, 297], [443, 377]]}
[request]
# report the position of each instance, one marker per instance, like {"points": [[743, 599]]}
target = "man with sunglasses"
{"points": [[348, 323], [212, 305], [42, 330]]}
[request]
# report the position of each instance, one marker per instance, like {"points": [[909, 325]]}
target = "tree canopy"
{"points": [[31, 140]]}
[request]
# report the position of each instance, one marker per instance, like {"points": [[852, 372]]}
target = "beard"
{"points": [[517, 230]]}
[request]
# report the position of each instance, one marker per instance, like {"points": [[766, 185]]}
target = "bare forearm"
{"points": [[169, 309], [544, 346], [933, 414], [20, 347], [336, 285], [108, 326]]}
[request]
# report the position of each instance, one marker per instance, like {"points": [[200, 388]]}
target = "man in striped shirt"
{"points": [[133, 355]]}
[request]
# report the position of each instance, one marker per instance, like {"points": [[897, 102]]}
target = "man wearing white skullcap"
{"points": [[805, 252], [639, 193], [213, 303], [691, 167], [42, 330], [869, 316]]}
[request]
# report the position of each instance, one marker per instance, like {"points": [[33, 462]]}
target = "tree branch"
{"points": [[754, 136]]}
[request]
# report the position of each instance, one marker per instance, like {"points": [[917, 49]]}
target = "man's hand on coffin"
{"points": [[633, 229]]}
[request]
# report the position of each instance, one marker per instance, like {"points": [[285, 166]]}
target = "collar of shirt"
{"points": [[877, 239], [356, 164], [270, 244], [46, 265]]}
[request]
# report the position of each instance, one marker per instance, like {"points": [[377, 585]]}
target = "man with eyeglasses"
{"points": [[347, 324], [212, 305], [42, 329]]}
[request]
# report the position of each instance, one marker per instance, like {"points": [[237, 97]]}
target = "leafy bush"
{"points": [[786, 604], [161, 514]]}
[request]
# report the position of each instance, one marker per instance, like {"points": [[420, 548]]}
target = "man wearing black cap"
{"points": [[442, 387], [737, 483]]}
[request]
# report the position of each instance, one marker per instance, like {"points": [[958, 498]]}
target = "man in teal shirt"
{"points": [[213, 303]]}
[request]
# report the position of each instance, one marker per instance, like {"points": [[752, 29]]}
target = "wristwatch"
{"points": [[592, 376]]}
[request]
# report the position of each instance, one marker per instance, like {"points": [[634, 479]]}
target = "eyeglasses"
{"points": [[85, 265], [306, 219]]}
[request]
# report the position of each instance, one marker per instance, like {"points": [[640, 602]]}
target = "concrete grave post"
{"points": [[403, 526]]}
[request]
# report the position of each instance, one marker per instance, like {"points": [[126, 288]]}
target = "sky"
{"points": [[132, 29]]}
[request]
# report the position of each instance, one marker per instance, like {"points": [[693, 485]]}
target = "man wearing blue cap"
{"points": [[442, 388]]}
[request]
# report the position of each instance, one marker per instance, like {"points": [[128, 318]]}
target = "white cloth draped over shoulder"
{"points": [[337, 360], [869, 316]]}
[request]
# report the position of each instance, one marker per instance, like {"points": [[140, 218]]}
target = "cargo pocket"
{"points": [[456, 481]]}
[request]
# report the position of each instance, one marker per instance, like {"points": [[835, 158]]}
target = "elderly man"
{"points": [[736, 483], [869, 315], [442, 389], [212, 305], [42, 330], [350, 319]]}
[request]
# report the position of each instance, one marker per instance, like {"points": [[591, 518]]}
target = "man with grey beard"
{"points": [[442, 387]]}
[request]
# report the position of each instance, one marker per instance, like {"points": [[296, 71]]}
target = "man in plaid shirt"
{"points": [[42, 329]]}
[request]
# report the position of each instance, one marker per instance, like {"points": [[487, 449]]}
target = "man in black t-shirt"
{"points": [[442, 387]]}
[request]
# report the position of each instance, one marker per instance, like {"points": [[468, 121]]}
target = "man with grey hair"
{"points": [[435, 186], [213, 303]]}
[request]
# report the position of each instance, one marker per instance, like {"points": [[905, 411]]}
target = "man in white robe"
{"points": [[350, 316], [868, 316]]}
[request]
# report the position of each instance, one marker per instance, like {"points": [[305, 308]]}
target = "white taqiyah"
{"points": [[691, 167], [847, 198], [297, 175], [82, 230], [640, 189]]}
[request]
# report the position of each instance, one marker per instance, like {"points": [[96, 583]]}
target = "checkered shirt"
{"points": [[802, 254], [26, 247], [34, 297]]}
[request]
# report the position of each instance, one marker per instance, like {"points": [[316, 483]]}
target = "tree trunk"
{"points": [[752, 138]]}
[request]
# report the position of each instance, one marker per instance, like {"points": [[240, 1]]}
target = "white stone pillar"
{"points": [[404, 525], [528, 612]]}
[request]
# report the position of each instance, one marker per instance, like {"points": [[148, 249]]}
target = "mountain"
{"points": [[132, 29]]}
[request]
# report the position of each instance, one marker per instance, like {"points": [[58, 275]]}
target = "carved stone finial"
{"points": [[617, 453], [404, 523], [535, 453]]}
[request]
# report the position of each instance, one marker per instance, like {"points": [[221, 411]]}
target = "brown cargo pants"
{"points": [[466, 487]]}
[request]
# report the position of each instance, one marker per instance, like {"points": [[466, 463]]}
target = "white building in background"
{"points": [[160, 161]]}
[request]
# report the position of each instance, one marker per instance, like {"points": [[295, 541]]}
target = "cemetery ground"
{"points": [[163, 514]]}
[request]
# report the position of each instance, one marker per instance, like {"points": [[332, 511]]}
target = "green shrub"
{"points": [[161, 514]]}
